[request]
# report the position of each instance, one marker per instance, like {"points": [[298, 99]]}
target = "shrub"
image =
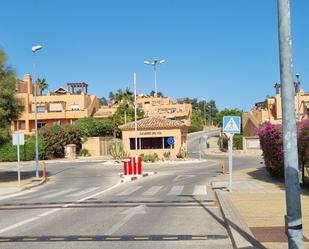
{"points": [[90, 127], [84, 152], [303, 141], [152, 157], [182, 153], [272, 146], [116, 149], [166, 155], [57, 137], [8, 151], [237, 142]]}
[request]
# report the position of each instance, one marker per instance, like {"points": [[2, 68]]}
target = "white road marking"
{"points": [[200, 190], [129, 190], [129, 214], [153, 190], [83, 192], [21, 223], [183, 177], [16, 194], [176, 190], [63, 192]]}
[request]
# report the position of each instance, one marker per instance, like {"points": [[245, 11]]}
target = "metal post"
{"points": [[230, 148], [156, 91], [200, 150], [36, 123], [135, 110], [18, 157], [293, 220]]}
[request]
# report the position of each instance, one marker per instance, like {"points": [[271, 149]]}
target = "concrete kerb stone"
{"points": [[239, 231], [130, 178]]}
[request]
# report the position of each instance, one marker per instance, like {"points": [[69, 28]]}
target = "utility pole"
{"points": [[135, 110], [293, 220]]}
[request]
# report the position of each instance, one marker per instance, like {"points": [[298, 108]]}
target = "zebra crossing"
{"points": [[146, 191], [169, 190]]}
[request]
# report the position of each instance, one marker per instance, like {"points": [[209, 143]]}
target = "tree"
{"points": [[42, 84], [159, 94], [90, 127], [125, 100], [197, 121], [103, 101], [10, 106], [226, 112]]}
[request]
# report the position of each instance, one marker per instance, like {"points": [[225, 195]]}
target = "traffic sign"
{"points": [[171, 140], [18, 138], [231, 124]]}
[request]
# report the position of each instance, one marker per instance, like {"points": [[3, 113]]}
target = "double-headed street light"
{"points": [[154, 63], [34, 50]]}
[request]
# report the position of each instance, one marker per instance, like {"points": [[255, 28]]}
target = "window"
{"points": [[41, 108], [150, 143], [41, 125], [75, 107], [55, 107]]}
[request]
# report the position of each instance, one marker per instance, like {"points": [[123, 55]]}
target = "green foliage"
{"points": [[10, 107], [159, 94], [8, 151], [166, 155], [57, 137], [197, 121], [84, 152], [42, 84], [116, 149], [237, 142], [103, 101], [90, 127], [226, 112], [152, 157], [126, 114]]}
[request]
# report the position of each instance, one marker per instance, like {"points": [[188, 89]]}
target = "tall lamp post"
{"points": [[154, 64], [34, 50]]}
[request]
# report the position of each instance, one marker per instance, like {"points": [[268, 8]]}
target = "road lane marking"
{"points": [[130, 190], [83, 192], [18, 224], [200, 190], [141, 238], [57, 239], [153, 190], [85, 238], [112, 238], [63, 192], [170, 237], [30, 239], [199, 237], [176, 190]]}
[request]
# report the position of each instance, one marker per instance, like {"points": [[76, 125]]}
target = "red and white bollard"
{"points": [[130, 166], [126, 162], [139, 167]]}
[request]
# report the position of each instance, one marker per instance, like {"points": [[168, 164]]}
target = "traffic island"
{"points": [[129, 178]]}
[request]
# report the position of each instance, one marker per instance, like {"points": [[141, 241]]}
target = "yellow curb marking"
{"points": [[141, 238], [199, 237], [86, 238], [169, 237], [56, 239], [30, 239], [112, 238], [5, 240]]}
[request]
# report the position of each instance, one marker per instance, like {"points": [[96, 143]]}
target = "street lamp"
{"points": [[154, 64], [34, 50]]}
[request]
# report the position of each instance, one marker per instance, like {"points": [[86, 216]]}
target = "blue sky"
{"points": [[214, 49]]}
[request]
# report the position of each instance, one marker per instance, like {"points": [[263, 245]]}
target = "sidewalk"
{"points": [[255, 209]]}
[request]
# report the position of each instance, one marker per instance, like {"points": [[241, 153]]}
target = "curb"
{"points": [[39, 183], [134, 177], [240, 234]]}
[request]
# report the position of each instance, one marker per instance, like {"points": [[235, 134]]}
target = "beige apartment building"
{"points": [[62, 106], [164, 107], [271, 110]]}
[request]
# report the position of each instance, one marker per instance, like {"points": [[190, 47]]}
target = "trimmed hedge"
{"points": [[237, 142], [8, 151]]}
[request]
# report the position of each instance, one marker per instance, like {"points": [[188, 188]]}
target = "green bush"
{"points": [[57, 137], [8, 151], [116, 149], [152, 157], [84, 152], [90, 127], [237, 142]]}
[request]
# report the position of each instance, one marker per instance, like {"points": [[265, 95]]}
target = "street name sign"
{"points": [[231, 124]]}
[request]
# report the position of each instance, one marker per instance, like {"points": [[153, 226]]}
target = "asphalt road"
{"points": [[83, 206]]}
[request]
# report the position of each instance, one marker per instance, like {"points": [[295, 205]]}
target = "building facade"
{"points": [[153, 136], [270, 110], [164, 107], [62, 106]]}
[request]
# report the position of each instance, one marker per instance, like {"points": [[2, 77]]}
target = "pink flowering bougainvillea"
{"points": [[271, 141], [272, 146]]}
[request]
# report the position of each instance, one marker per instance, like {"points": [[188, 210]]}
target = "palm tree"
{"points": [[125, 99], [42, 84]]}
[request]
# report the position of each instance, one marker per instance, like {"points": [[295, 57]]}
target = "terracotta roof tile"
{"points": [[153, 123]]}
